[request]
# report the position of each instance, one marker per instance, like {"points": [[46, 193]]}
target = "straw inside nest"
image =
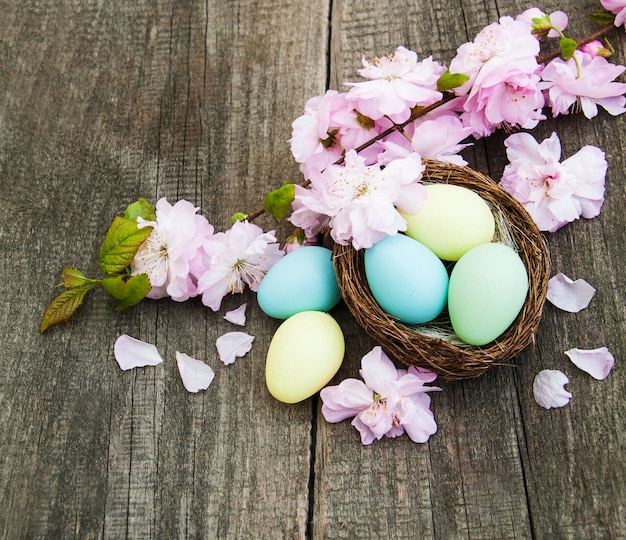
{"points": [[434, 345]]}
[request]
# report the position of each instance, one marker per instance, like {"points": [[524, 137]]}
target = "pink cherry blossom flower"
{"points": [[507, 93], [597, 362], [317, 135], [548, 389], [585, 80], [238, 257], [233, 345], [505, 43], [195, 374], [595, 48], [388, 402], [618, 7], [169, 254], [554, 193], [503, 85], [396, 84], [435, 137], [569, 295], [131, 353], [358, 202]]}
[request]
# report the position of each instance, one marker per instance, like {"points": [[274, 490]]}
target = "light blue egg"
{"points": [[406, 279], [303, 280]]}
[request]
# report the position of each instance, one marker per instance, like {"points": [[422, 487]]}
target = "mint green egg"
{"points": [[487, 290]]}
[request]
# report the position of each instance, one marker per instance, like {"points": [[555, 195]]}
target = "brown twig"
{"points": [[587, 39]]}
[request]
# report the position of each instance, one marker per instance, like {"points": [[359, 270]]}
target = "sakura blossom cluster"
{"points": [[387, 403], [361, 149], [184, 257], [554, 193]]}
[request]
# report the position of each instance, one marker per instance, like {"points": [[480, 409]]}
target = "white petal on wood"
{"points": [[597, 362], [233, 345], [237, 316], [548, 389], [131, 353], [569, 295], [196, 375]]}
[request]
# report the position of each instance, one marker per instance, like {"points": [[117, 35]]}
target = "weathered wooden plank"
{"points": [[176, 99]]}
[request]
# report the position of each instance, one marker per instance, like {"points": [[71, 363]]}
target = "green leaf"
{"points": [[449, 81], [72, 277], [64, 306], [568, 46], [121, 244], [278, 202], [140, 208], [128, 290], [541, 26], [238, 216], [604, 18]]}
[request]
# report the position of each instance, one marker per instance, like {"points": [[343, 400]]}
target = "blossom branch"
{"points": [[417, 113], [568, 46], [587, 39]]}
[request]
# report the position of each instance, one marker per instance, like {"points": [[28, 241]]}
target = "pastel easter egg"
{"points": [[406, 279], [303, 280], [488, 288], [304, 355], [452, 220]]}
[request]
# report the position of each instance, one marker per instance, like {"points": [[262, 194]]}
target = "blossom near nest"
{"points": [[368, 172]]}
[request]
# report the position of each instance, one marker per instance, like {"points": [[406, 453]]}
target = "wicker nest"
{"points": [[434, 345]]}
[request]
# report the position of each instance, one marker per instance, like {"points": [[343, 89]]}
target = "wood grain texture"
{"points": [[101, 103]]}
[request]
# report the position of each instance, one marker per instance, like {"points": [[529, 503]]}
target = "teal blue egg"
{"points": [[303, 280], [488, 288], [407, 280]]}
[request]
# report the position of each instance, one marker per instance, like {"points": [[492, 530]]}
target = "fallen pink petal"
{"points": [[233, 345], [196, 375], [131, 353], [569, 295], [237, 316], [548, 389], [597, 362]]}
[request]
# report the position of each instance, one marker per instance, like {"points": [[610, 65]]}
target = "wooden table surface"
{"points": [[105, 102]]}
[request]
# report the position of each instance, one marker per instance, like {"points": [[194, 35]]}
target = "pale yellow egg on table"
{"points": [[304, 355], [452, 220]]}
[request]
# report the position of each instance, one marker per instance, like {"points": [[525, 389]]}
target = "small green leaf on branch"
{"points": [[604, 18], [278, 202], [238, 216], [128, 290], [450, 81], [140, 208], [72, 277], [121, 244], [568, 46], [64, 306]]}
